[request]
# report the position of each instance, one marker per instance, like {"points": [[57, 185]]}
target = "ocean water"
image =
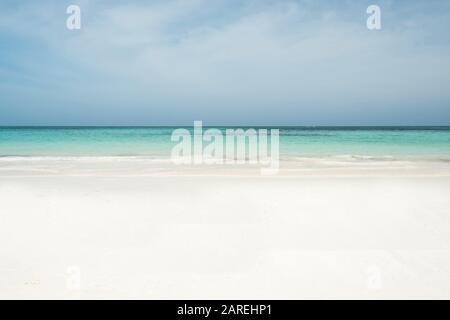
{"points": [[389, 142]]}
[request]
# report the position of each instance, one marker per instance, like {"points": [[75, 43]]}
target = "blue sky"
{"points": [[225, 62]]}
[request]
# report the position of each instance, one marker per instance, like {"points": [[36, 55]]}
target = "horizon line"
{"points": [[228, 126]]}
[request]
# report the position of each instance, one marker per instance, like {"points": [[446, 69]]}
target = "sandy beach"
{"points": [[224, 150], [145, 230]]}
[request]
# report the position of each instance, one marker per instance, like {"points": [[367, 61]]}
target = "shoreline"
{"points": [[158, 166]]}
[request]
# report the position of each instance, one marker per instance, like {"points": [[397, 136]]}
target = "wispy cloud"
{"points": [[255, 62]]}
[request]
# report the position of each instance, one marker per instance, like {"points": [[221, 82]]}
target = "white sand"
{"points": [[82, 230]]}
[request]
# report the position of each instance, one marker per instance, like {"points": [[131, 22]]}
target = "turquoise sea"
{"points": [[422, 142]]}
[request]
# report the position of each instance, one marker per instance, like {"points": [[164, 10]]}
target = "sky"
{"points": [[225, 62]]}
